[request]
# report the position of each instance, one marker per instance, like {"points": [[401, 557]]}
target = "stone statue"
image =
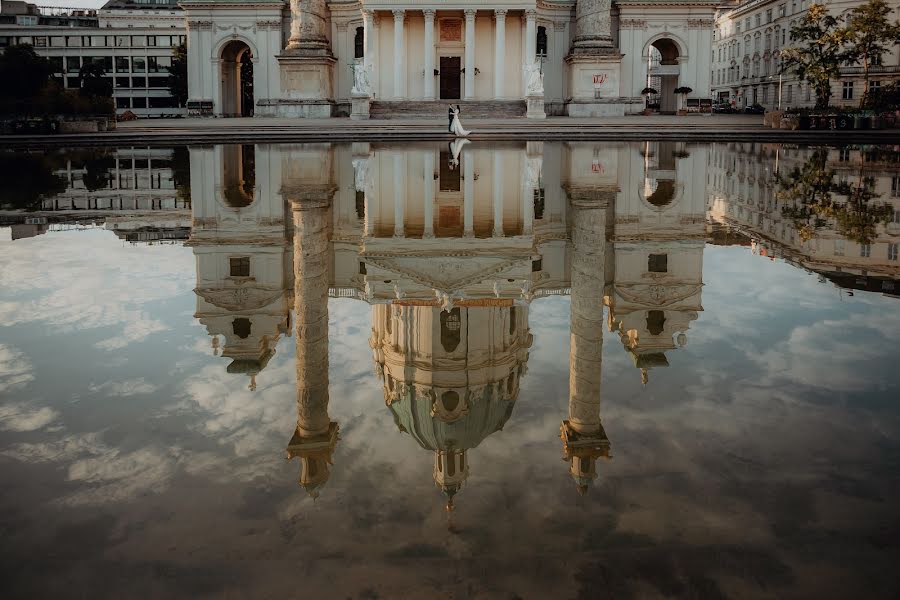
{"points": [[361, 85], [534, 79]]}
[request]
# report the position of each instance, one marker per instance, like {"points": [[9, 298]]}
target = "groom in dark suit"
{"points": [[450, 119]]}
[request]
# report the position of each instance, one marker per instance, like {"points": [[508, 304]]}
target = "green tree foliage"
{"points": [[28, 178], [870, 34], [813, 199], [820, 52], [178, 75], [23, 75]]}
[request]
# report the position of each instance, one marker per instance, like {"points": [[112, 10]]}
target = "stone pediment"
{"points": [[239, 298], [448, 273], [656, 296]]}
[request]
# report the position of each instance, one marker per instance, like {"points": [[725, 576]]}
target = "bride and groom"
{"points": [[454, 126]]}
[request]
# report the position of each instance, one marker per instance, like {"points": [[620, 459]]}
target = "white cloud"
{"points": [[21, 417], [15, 369], [128, 387]]}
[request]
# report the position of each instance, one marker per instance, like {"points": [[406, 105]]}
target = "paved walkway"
{"points": [[698, 128]]}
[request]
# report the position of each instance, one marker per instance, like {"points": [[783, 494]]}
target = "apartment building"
{"points": [[132, 39]]}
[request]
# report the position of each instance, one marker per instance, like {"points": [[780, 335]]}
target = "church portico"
{"points": [[395, 58]]}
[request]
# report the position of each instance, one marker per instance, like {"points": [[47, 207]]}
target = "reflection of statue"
{"points": [[534, 79], [361, 84], [360, 173]]}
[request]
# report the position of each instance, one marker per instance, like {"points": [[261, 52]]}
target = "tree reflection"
{"points": [[28, 179], [814, 198]]}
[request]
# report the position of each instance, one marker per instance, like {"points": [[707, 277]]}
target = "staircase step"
{"points": [[471, 109]]}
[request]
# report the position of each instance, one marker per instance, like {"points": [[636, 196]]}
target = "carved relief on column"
{"points": [[308, 25], [592, 27]]}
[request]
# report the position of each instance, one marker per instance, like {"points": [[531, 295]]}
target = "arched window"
{"points": [[358, 46], [450, 329], [541, 46], [656, 321]]}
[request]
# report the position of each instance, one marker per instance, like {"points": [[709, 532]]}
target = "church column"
{"points": [[428, 183], [308, 25], [369, 39], [468, 195], [530, 40], [316, 434], [583, 434], [470, 55], [429, 53], [399, 195], [499, 51], [592, 27], [498, 194], [399, 53]]}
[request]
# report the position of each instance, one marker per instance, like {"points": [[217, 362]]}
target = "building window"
{"points": [[359, 49], [139, 102], [838, 247], [539, 203], [769, 16], [847, 90], [892, 251], [656, 322], [658, 263], [781, 10], [895, 191], [874, 86], [541, 46], [865, 250], [241, 328], [844, 155], [240, 267], [123, 64], [790, 93]]}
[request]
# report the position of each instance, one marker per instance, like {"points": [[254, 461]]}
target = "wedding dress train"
{"points": [[457, 128]]}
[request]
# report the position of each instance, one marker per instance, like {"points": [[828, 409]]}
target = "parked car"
{"points": [[755, 109], [724, 108]]}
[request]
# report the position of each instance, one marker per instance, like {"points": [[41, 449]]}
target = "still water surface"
{"points": [[514, 371]]}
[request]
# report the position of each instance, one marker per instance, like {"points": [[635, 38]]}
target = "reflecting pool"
{"points": [[542, 370]]}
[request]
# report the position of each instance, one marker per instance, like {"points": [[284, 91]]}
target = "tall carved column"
{"points": [[308, 25], [592, 27], [399, 52], [315, 437], [583, 435], [429, 53], [306, 64]]}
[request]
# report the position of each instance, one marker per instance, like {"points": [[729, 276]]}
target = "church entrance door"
{"points": [[451, 66]]}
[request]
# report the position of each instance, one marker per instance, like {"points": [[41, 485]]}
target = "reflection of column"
{"points": [[470, 54], [498, 194], [399, 53], [583, 434], [316, 435], [428, 182], [531, 181], [399, 195], [468, 195], [429, 53], [499, 51]]}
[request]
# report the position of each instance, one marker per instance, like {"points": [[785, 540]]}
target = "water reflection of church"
{"points": [[450, 258]]}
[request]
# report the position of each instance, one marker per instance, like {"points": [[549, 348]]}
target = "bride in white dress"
{"points": [[456, 128]]}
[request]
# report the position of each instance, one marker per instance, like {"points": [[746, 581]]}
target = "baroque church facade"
{"points": [[321, 58]]}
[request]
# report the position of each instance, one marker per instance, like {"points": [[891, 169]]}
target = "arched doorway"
{"points": [[237, 80], [664, 72]]}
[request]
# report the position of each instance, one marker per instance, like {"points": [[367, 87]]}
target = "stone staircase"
{"points": [[437, 109]]}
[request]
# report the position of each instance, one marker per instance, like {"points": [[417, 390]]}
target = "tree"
{"points": [[818, 57], [23, 74], [28, 179], [178, 75], [94, 82], [869, 36]]}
